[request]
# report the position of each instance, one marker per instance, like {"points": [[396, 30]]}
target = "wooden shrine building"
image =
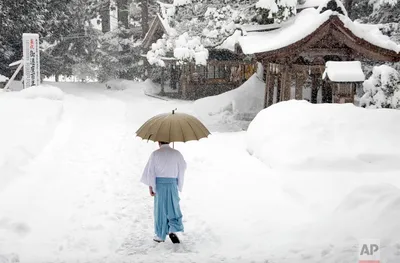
{"points": [[225, 69], [297, 53]]}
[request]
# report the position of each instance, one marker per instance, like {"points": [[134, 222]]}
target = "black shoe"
{"points": [[158, 240], [174, 238]]}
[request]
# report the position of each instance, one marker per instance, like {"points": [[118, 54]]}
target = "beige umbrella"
{"points": [[172, 127]]}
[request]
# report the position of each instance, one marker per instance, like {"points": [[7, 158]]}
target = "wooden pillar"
{"points": [[269, 87], [326, 92], [314, 88], [278, 88], [286, 84], [300, 80], [267, 80], [271, 90]]}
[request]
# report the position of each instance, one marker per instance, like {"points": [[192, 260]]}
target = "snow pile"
{"points": [[344, 71], [118, 84], [370, 210], [42, 91], [153, 88], [130, 87], [28, 119], [382, 89], [243, 102], [367, 209], [297, 134]]}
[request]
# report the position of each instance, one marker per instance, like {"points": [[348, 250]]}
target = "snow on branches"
{"points": [[378, 3], [196, 25], [382, 89]]}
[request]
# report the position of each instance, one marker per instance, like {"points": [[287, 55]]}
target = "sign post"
{"points": [[31, 60]]}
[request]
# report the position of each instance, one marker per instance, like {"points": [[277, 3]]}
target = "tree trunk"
{"points": [[123, 13], [145, 17], [105, 16]]}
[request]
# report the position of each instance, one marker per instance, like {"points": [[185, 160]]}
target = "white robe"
{"points": [[164, 162]]}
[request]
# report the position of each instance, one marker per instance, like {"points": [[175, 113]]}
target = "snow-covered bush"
{"points": [[42, 91], [382, 89]]}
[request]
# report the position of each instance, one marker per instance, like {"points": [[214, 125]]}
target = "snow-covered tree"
{"points": [[382, 89], [119, 55], [196, 25]]}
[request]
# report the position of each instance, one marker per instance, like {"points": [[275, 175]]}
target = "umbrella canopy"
{"points": [[173, 127]]}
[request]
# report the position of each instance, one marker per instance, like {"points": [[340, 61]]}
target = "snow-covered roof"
{"points": [[244, 30], [158, 22], [303, 25], [3, 78], [344, 71], [164, 23], [260, 28]]}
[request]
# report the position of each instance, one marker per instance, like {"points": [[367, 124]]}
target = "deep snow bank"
{"points": [[370, 210], [42, 91], [297, 134], [243, 102], [27, 119]]}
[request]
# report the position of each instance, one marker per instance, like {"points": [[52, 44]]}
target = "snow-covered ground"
{"points": [[69, 185]]}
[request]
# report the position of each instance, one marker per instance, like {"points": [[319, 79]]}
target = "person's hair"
{"points": [[164, 143]]}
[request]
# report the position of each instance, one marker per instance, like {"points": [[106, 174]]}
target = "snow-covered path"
{"points": [[80, 199]]}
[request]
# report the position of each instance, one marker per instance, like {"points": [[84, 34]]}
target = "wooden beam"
{"points": [[299, 86], [285, 84], [269, 87], [278, 88], [267, 80], [341, 52], [314, 88], [271, 90]]}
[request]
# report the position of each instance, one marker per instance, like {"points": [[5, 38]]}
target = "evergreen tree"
{"points": [[16, 18], [74, 49]]}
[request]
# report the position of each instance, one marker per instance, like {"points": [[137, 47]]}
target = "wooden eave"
{"points": [[336, 27]]}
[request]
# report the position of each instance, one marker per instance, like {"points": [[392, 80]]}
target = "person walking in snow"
{"points": [[164, 174]]}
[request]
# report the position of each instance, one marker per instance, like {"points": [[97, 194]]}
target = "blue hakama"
{"points": [[167, 213]]}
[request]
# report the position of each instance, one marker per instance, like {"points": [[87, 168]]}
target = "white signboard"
{"points": [[31, 60]]}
